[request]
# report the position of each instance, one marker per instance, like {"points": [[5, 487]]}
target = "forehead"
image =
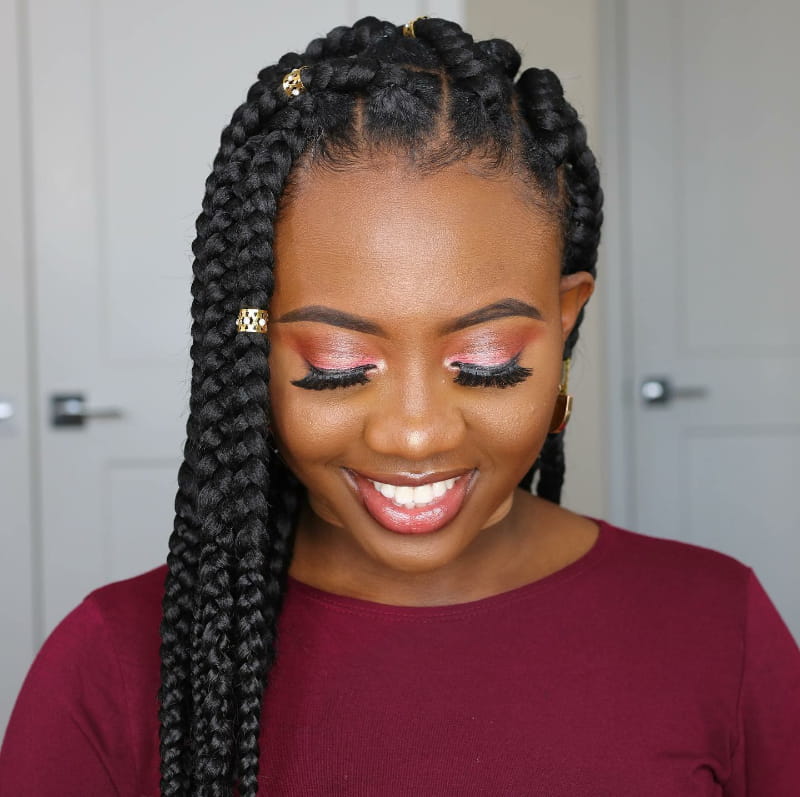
{"points": [[388, 240]]}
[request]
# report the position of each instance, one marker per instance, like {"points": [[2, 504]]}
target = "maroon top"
{"points": [[648, 666]]}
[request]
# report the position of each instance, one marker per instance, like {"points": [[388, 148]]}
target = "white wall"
{"points": [[564, 36], [17, 571]]}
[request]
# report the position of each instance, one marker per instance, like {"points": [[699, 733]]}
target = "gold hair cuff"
{"points": [[252, 320], [408, 28], [292, 84]]}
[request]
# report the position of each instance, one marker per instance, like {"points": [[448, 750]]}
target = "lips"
{"points": [[398, 512]]}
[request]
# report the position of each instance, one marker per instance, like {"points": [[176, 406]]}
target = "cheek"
{"points": [[310, 426], [518, 432], [514, 422]]}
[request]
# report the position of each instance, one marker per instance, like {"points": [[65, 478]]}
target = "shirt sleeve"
{"points": [[67, 734], [766, 757]]}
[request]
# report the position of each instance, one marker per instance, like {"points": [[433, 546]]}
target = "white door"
{"points": [[16, 499], [709, 146], [128, 101]]}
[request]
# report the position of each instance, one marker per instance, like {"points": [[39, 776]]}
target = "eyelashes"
{"points": [[331, 378], [504, 375]]}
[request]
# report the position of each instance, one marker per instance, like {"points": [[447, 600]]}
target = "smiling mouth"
{"points": [[410, 497], [413, 508]]}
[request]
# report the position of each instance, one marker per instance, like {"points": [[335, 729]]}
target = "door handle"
{"points": [[6, 410], [71, 410], [659, 390]]}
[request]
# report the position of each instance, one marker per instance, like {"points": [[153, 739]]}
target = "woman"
{"points": [[396, 246]]}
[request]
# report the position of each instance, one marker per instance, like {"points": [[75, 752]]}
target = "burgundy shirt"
{"points": [[647, 667]]}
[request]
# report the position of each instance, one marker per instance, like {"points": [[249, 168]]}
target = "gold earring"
{"points": [[563, 408]]}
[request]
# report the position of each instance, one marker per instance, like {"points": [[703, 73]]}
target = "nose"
{"points": [[415, 421]]}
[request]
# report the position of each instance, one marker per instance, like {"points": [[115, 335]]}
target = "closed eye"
{"points": [[331, 378], [503, 375]]}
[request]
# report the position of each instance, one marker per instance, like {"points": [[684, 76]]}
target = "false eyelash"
{"points": [[504, 375], [331, 378]]}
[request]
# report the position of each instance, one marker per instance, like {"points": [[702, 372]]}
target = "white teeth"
{"points": [[404, 495], [411, 497], [386, 490], [423, 494]]}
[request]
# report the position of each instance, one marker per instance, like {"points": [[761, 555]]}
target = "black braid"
{"points": [[224, 426], [434, 98], [556, 125]]}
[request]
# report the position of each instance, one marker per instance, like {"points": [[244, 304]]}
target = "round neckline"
{"points": [[362, 606]]}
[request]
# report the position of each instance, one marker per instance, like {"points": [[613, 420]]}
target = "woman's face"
{"points": [[416, 330]]}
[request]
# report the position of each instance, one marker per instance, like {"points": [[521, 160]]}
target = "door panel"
{"points": [[769, 461], [712, 109]]}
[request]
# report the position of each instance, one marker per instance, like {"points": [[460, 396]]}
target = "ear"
{"points": [[575, 291]]}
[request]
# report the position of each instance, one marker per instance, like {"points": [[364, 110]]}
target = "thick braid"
{"points": [[263, 548], [344, 41], [176, 628], [285, 497], [184, 542], [183, 558], [555, 124], [551, 468], [233, 613], [211, 639], [476, 70], [210, 268], [210, 286], [580, 254], [182, 563]]}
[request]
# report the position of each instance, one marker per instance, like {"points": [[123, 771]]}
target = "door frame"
{"points": [[616, 265]]}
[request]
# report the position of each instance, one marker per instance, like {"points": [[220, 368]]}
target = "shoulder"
{"points": [[117, 621], [130, 600], [90, 696], [659, 557], [637, 562], [677, 585]]}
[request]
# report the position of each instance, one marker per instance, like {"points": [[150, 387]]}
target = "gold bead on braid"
{"points": [[408, 28], [252, 320], [292, 83]]}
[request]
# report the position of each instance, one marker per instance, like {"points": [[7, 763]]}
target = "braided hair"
{"points": [[437, 97]]}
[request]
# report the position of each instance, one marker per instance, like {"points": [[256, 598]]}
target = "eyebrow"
{"points": [[505, 308]]}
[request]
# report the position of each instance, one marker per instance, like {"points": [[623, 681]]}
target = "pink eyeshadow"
{"points": [[341, 364], [482, 358], [329, 356], [492, 349]]}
